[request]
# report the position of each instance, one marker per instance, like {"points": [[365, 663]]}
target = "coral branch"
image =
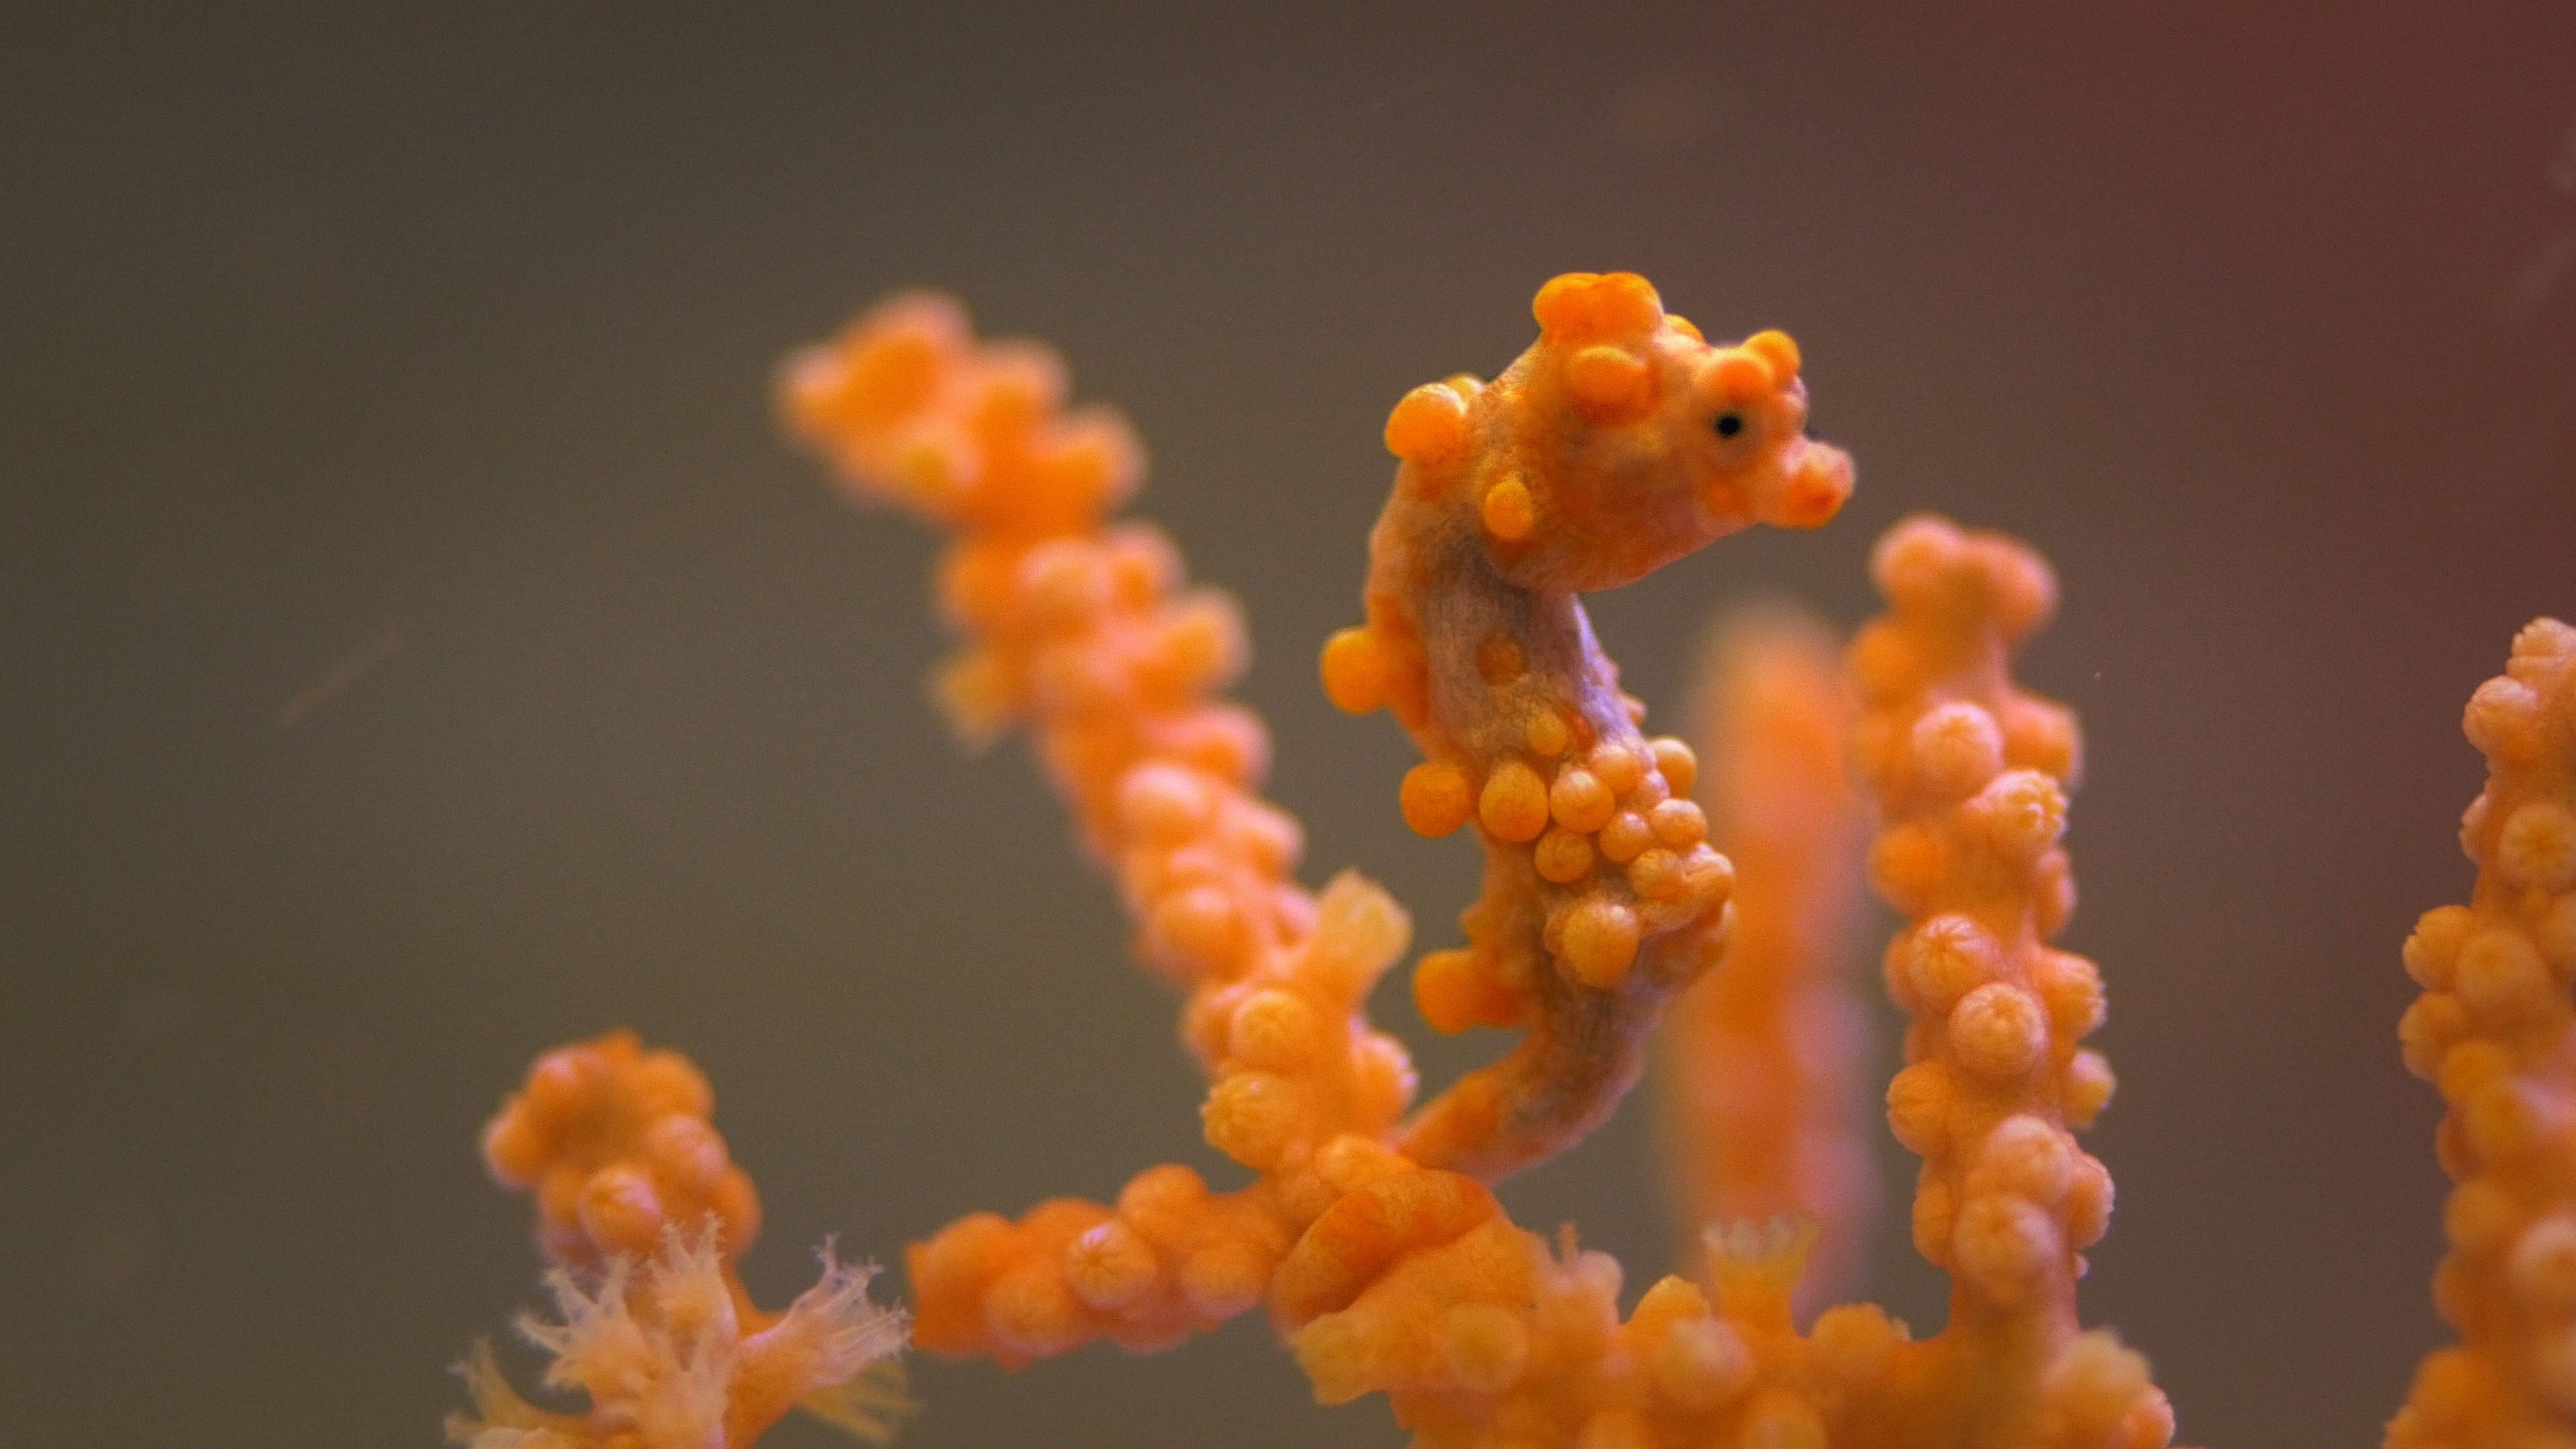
{"points": [[1617, 443], [1764, 1104], [2495, 1030], [1083, 632], [644, 1215], [1970, 775], [1303, 1091]]}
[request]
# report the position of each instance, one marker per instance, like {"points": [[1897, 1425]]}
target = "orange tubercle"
{"points": [[1436, 798], [1355, 669]]}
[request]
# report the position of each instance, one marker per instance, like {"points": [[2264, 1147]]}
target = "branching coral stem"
{"points": [[1083, 632]]}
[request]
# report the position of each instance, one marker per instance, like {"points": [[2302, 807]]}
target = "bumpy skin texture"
{"points": [[1765, 1111], [2495, 1030], [644, 1216], [1617, 443]]}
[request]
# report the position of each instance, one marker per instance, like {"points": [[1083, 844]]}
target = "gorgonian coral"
{"points": [[1367, 1227]]}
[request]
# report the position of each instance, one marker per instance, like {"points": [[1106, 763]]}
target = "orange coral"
{"points": [[1764, 1110], [2495, 1030], [1971, 774], [1620, 441], [1083, 631], [644, 1215]]}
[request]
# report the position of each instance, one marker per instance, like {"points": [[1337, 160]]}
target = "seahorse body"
{"points": [[1620, 441]]}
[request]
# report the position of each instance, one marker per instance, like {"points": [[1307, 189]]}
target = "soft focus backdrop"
{"points": [[417, 646]]}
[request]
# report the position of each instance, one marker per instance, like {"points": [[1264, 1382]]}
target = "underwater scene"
{"points": [[1534, 725]]}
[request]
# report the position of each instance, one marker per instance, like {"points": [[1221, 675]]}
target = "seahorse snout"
{"points": [[1815, 478]]}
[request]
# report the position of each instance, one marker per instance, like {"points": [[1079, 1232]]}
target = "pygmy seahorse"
{"points": [[1620, 441]]}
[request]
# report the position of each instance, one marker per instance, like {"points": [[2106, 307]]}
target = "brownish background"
{"points": [[419, 648]]}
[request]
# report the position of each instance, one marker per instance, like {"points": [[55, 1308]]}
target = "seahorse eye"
{"points": [[1729, 424]]}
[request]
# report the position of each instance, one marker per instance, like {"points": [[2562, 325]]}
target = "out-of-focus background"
{"points": [[417, 646]]}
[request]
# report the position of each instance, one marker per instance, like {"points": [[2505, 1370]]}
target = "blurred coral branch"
{"points": [[1765, 1111]]}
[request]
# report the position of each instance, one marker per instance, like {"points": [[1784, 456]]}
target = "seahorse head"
{"points": [[1622, 440]]}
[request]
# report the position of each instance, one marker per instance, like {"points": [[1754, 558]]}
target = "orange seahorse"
{"points": [[1620, 441]]}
